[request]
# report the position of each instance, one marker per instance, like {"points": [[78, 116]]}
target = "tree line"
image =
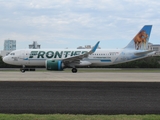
{"points": [[150, 62]]}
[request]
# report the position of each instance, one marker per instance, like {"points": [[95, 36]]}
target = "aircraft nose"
{"points": [[5, 59]]}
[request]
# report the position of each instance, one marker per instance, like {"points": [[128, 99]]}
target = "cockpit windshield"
{"points": [[12, 53]]}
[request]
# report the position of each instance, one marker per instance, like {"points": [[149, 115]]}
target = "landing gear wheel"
{"points": [[22, 70], [74, 70]]}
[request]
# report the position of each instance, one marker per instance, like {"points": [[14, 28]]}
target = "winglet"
{"points": [[95, 47]]}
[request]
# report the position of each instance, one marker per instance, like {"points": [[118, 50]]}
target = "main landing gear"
{"points": [[74, 70]]}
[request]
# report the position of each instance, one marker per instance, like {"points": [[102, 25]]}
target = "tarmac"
{"points": [[79, 93], [81, 76]]}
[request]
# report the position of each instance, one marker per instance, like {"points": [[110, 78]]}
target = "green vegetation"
{"points": [[77, 117], [150, 62]]}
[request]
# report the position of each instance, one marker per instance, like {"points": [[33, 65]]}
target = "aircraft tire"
{"points": [[22, 70], [74, 70]]}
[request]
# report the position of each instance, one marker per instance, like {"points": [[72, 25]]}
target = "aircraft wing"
{"points": [[143, 52], [80, 57]]}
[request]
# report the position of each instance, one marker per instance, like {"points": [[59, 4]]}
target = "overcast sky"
{"points": [[73, 23]]}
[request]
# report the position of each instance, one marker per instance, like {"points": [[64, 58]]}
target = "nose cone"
{"points": [[5, 59]]}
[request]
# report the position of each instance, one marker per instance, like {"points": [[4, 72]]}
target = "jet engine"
{"points": [[54, 65]]}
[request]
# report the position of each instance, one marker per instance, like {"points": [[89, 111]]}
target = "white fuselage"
{"points": [[102, 57]]}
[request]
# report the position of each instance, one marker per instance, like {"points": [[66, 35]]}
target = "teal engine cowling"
{"points": [[54, 65]]}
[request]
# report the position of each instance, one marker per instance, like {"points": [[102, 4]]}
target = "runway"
{"points": [[80, 97], [81, 93], [80, 76]]}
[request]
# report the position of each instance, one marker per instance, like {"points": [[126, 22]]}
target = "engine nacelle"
{"points": [[54, 65]]}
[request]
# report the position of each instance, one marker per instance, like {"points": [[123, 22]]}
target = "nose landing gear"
{"points": [[23, 69]]}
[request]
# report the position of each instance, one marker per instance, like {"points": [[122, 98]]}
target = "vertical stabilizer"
{"points": [[140, 41]]}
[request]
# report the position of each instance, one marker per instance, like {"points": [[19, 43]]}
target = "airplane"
{"points": [[59, 59]]}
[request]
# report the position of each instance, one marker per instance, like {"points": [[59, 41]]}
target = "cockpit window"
{"points": [[12, 53]]}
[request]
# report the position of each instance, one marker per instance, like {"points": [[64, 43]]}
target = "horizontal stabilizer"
{"points": [[143, 52]]}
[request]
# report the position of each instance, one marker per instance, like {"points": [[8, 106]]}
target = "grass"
{"points": [[76, 117]]}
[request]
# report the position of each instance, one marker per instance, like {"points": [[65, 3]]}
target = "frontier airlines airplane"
{"points": [[59, 59]]}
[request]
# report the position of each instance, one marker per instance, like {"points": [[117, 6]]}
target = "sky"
{"points": [[73, 23]]}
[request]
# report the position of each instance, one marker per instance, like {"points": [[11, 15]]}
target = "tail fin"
{"points": [[140, 41]]}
